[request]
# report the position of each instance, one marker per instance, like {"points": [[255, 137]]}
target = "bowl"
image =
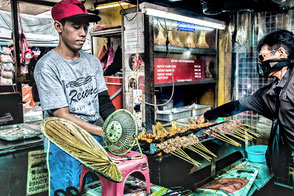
{"points": [[256, 153]]}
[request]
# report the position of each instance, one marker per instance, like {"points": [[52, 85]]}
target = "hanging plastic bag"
{"points": [[6, 74], [110, 56], [5, 81], [5, 58], [102, 56], [102, 53], [23, 43], [8, 67], [116, 65], [27, 97], [5, 50], [36, 52], [28, 56]]}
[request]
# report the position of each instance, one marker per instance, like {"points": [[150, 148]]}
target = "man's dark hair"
{"points": [[74, 20], [277, 39], [62, 21]]}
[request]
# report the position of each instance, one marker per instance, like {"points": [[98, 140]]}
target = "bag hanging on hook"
{"points": [[24, 44]]}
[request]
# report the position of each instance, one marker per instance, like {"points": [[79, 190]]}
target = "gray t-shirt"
{"points": [[70, 83]]}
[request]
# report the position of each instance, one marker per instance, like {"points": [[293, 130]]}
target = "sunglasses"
{"points": [[262, 56]]}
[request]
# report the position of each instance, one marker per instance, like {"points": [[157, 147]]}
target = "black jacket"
{"points": [[264, 102]]}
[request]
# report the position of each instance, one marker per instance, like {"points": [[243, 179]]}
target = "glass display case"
{"points": [[167, 58]]}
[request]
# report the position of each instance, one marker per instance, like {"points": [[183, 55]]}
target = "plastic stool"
{"points": [[126, 167]]}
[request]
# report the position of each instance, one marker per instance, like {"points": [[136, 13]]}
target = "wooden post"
{"points": [[224, 70]]}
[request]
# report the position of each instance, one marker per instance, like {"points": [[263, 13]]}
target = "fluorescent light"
{"points": [[177, 17], [109, 5]]}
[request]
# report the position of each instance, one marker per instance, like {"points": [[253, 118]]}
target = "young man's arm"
{"points": [[64, 113], [105, 105]]}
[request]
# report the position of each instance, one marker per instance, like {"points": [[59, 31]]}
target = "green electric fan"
{"points": [[120, 133]]}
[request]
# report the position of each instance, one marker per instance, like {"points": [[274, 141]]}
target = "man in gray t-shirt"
{"points": [[71, 85]]}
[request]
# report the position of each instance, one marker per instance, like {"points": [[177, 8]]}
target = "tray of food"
{"points": [[176, 138], [17, 132]]}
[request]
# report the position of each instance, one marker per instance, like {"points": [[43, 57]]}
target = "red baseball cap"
{"points": [[72, 9]]}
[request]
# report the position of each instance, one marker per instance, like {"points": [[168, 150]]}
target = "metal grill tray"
{"points": [[150, 148], [17, 132]]}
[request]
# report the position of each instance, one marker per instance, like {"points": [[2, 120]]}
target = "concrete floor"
{"points": [[270, 189]]}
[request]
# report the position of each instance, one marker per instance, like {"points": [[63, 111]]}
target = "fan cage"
{"points": [[129, 136]]}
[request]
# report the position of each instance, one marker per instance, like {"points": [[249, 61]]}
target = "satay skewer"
{"points": [[226, 139], [252, 127], [218, 131], [236, 136], [183, 158], [203, 148], [243, 130], [250, 131], [182, 153], [191, 120], [245, 127], [242, 134], [208, 158], [228, 130], [245, 135], [196, 143], [232, 141]]}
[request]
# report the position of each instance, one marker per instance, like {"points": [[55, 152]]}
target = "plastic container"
{"points": [[114, 85], [256, 153], [181, 112], [167, 106]]}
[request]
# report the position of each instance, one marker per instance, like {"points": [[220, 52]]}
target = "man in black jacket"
{"points": [[274, 101]]}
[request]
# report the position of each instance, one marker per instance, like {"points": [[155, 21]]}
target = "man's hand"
{"points": [[200, 119]]}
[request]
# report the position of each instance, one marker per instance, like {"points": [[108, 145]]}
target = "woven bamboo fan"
{"points": [[81, 145]]}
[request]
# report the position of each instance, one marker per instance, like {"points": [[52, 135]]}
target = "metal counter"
{"points": [[15, 146], [14, 164]]}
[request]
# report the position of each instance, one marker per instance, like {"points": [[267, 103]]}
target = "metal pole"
{"points": [[149, 72], [15, 36]]}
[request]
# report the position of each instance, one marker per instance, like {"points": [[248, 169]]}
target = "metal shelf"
{"points": [[206, 81], [107, 32], [176, 49], [7, 88], [8, 84]]}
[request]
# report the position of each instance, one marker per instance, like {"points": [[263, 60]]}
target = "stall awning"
{"points": [[38, 29]]}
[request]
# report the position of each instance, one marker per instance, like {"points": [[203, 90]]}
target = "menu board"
{"points": [[183, 70], [37, 178]]}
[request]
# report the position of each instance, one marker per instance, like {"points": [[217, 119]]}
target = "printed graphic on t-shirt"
{"points": [[82, 94]]}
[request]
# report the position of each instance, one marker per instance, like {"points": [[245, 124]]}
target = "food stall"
{"points": [[174, 65]]}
